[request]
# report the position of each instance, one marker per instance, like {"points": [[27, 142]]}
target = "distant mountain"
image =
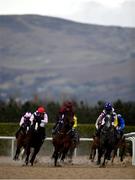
{"points": [[56, 59]]}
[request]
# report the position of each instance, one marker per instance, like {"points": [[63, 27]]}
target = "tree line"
{"points": [[12, 110]]}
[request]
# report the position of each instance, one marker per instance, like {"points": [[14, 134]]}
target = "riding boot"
{"points": [[43, 133]]}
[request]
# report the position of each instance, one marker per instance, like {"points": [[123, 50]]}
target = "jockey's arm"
{"points": [[96, 124], [99, 120], [75, 122], [44, 121], [21, 121], [122, 123], [115, 122], [32, 119]]}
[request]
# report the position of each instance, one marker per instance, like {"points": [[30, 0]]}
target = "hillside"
{"points": [[55, 59]]}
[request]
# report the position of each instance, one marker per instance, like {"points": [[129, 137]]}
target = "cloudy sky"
{"points": [[105, 12]]}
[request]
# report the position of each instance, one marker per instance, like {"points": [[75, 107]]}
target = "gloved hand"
{"points": [[42, 124], [118, 128]]}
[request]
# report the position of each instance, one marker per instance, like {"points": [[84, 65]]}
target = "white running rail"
{"points": [[129, 136], [13, 139]]}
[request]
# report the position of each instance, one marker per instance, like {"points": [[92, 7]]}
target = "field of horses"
{"points": [[82, 168]]}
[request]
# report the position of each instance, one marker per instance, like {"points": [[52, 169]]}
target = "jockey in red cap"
{"points": [[66, 108], [40, 117]]}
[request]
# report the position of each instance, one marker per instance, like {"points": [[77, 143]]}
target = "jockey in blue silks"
{"points": [[108, 109], [120, 125]]}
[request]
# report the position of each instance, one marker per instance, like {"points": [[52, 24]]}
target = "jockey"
{"points": [[24, 123], [39, 117], [64, 110], [108, 109], [75, 134], [120, 125]]}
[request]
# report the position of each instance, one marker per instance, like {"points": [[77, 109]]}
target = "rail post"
{"points": [[12, 148]]}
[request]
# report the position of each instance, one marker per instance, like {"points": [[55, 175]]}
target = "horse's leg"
{"points": [[100, 152], [113, 155], [94, 154], [22, 153], [104, 160], [122, 152], [91, 152], [36, 150], [27, 155], [55, 156], [64, 153], [71, 151], [18, 147], [17, 153], [106, 153]]}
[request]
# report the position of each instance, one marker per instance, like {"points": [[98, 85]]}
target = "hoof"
{"points": [[26, 163]]}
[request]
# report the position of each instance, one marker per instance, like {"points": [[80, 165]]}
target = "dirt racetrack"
{"points": [[81, 169]]}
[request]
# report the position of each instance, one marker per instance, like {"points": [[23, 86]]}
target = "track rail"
{"points": [[128, 136]]}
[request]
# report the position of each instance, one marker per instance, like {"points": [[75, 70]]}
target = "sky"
{"points": [[103, 12]]}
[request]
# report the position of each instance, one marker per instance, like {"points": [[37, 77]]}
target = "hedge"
{"points": [[85, 130]]}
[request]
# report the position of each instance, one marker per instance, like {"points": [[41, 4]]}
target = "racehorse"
{"points": [[107, 140], [34, 139], [62, 141], [20, 140]]}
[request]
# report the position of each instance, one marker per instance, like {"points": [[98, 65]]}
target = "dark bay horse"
{"points": [[34, 139], [107, 140], [62, 141]]}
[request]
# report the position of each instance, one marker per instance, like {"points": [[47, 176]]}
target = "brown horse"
{"points": [[62, 141]]}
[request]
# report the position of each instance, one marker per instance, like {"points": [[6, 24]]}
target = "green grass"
{"points": [[85, 130]]}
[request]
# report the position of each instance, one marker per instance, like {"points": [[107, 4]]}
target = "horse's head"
{"points": [[108, 121], [68, 119], [107, 126]]}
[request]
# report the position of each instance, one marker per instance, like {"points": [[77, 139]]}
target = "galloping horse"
{"points": [[62, 141], [34, 139], [107, 140]]}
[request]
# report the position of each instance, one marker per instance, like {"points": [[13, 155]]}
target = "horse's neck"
{"points": [[108, 121], [108, 124], [64, 129]]}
